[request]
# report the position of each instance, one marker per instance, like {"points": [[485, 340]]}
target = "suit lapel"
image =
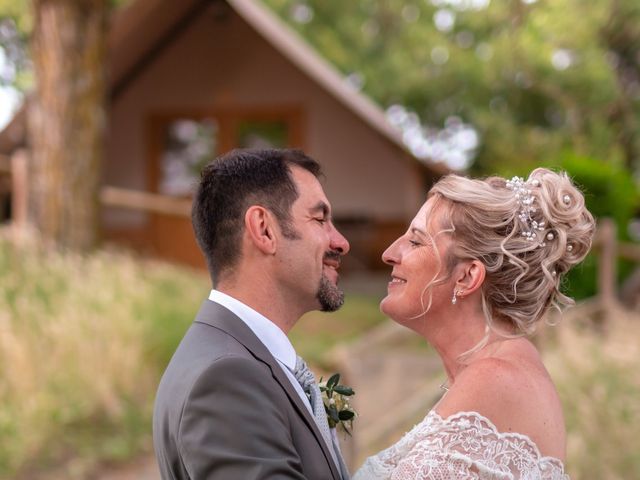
{"points": [[217, 316]]}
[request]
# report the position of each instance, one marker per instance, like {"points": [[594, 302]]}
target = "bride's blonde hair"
{"points": [[490, 221]]}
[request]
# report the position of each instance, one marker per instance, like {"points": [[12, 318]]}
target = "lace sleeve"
{"points": [[465, 446]]}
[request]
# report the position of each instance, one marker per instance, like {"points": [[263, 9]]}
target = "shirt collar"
{"points": [[267, 332]]}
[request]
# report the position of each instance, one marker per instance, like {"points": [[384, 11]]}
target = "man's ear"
{"points": [[259, 225], [469, 277]]}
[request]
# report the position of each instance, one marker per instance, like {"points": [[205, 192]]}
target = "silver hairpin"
{"points": [[522, 192]]}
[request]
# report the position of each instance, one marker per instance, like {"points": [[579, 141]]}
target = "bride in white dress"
{"points": [[480, 265]]}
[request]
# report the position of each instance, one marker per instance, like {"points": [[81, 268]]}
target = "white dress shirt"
{"points": [[269, 334]]}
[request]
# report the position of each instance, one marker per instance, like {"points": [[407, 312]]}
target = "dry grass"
{"points": [[317, 332], [597, 371], [83, 341]]}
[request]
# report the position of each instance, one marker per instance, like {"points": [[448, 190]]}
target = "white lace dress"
{"points": [[463, 446]]}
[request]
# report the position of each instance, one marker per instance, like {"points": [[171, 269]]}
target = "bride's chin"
{"points": [[389, 309], [407, 318], [384, 305]]}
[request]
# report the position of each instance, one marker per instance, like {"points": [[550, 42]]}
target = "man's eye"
{"points": [[414, 243], [321, 221]]}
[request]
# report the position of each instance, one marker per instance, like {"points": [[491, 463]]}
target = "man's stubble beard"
{"points": [[329, 295]]}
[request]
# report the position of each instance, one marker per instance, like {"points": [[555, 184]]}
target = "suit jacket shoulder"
{"points": [[225, 410]]}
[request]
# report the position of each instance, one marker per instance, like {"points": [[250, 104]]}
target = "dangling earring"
{"points": [[454, 300]]}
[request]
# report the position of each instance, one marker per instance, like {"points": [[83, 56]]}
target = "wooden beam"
{"points": [[629, 251], [143, 201], [607, 262], [174, 32], [19, 189], [5, 164]]}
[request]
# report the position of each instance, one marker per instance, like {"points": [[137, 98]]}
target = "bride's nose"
{"points": [[391, 256]]}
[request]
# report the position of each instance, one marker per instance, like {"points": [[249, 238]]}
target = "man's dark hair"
{"points": [[232, 183]]}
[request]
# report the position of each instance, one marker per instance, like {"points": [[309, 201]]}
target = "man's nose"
{"points": [[338, 242]]}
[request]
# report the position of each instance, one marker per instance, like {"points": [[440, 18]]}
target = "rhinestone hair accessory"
{"points": [[522, 191]]}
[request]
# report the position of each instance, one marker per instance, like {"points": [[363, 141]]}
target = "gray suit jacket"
{"points": [[225, 410]]}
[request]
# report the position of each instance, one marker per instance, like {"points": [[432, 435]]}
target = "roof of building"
{"points": [[141, 30]]}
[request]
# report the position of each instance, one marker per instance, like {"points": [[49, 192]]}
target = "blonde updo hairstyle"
{"points": [[523, 277]]}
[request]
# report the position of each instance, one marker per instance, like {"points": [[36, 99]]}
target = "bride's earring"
{"points": [[454, 300]]}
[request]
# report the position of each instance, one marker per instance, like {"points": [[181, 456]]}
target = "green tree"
{"points": [[535, 78], [15, 23]]}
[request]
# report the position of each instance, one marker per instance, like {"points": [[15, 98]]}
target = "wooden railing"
{"points": [[5, 164], [144, 201], [17, 166], [609, 249], [115, 197]]}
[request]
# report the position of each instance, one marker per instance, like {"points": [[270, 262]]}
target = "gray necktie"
{"points": [[309, 385]]}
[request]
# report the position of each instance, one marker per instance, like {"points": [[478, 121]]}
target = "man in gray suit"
{"points": [[229, 406]]}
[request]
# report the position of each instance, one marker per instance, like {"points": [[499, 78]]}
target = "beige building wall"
{"points": [[223, 63]]}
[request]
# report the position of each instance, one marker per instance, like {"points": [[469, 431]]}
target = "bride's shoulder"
{"points": [[516, 395], [491, 386]]}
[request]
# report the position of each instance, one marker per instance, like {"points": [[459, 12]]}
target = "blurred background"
{"points": [[109, 109]]}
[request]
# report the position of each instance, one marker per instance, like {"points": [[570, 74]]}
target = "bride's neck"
{"points": [[457, 340]]}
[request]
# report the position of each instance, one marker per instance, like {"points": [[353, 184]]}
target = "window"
{"points": [[189, 145], [183, 143], [262, 134]]}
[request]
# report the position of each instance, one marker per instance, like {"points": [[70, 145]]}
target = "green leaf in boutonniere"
{"points": [[336, 403]]}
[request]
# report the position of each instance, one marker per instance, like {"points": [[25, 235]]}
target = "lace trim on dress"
{"points": [[464, 446]]}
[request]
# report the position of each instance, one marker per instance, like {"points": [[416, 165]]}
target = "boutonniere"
{"points": [[336, 403]]}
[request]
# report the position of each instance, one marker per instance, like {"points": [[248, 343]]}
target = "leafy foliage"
{"points": [[535, 78], [336, 403], [610, 191], [16, 23]]}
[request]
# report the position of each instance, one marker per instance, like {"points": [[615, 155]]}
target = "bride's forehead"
{"points": [[429, 213]]}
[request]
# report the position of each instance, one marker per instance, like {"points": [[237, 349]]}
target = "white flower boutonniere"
{"points": [[336, 403]]}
